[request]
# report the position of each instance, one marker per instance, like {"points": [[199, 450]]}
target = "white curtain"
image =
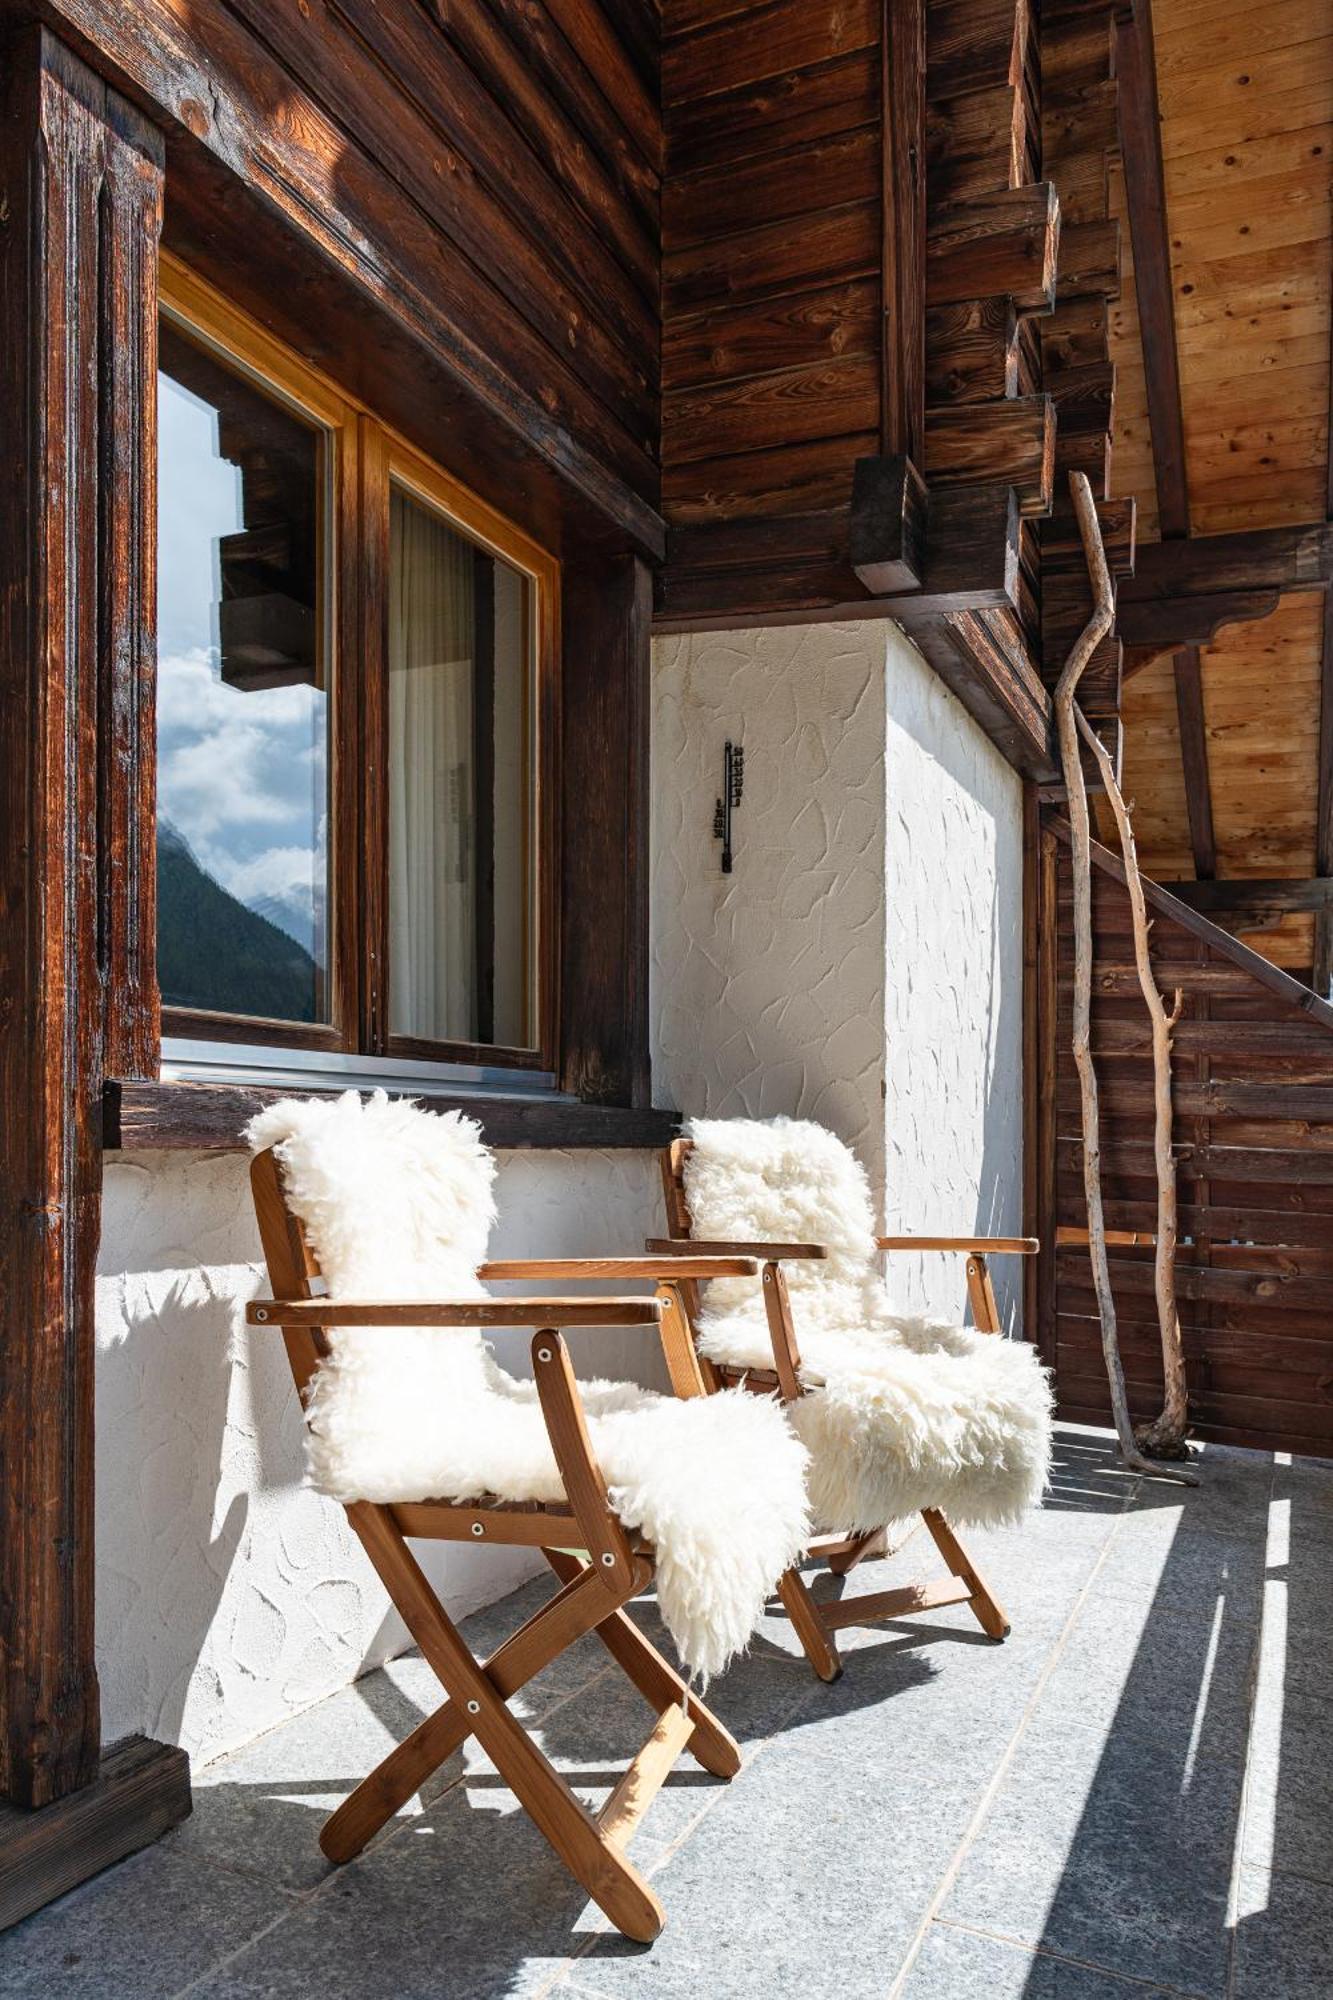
{"points": [[432, 923]]}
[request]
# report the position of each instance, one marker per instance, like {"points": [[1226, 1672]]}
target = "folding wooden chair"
{"points": [[599, 1566], [815, 1623]]}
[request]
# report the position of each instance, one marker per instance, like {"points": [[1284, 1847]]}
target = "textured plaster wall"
{"points": [[769, 983], [228, 1596], [863, 964], [953, 902]]}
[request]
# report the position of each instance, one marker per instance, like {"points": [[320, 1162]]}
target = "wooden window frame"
{"points": [[364, 458]]}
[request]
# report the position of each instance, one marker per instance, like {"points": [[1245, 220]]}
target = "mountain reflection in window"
{"points": [[243, 685]]}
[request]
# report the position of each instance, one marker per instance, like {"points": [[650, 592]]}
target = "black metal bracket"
{"points": [[733, 783]]}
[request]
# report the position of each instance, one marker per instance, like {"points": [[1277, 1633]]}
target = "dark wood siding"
{"points": [[454, 206], [1253, 1091], [771, 269]]}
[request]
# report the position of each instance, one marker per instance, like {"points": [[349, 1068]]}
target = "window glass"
{"points": [[460, 800], [243, 694]]}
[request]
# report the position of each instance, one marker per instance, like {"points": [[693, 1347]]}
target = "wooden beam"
{"points": [[1194, 756], [1145, 197], [79, 165], [1167, 622], [1002, 244], [141, 1790], [1321, 975], [1220, 944], [1252, 892], [1322, 972], [606, 699], [1008, 443], [192, 1117], [1284, 559], [887, 529]]}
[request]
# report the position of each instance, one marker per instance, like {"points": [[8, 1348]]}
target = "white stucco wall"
{"points": [[862, 966]]}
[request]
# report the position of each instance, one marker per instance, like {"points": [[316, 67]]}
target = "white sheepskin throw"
{"points": [[906, 1412], [397, 1204]]}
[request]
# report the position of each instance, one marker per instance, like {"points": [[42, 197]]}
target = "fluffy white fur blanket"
{"points": [[397, 1204], [909, 1412]]}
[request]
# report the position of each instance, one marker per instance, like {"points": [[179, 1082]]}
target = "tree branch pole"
{"points": [[1165, 1438], [1085, 645]]}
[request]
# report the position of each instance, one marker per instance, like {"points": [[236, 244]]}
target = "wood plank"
{"points": [[974, 45], [971, 352], [1145, 191], [1010, 442], [1244, 893], [1193, 620], [140, 1791], [806, 254], [764, 42], [800, 332], [721, 201], [999, 244], [763, 412], [1194, 756], [1285, 559], [211, 1117], [811, 102], [605, 697]]}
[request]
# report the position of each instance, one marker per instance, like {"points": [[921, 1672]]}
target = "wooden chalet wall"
{"points": [[1253, 1079], [786, 224], [453, 207]]}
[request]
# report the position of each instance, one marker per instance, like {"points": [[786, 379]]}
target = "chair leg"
{"points": [[819, 1646], [570, 1613], [593, 1858], [860, 1548], [985, 1608], [661, 1686]]}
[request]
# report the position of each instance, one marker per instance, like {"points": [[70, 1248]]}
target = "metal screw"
{"points": [[609, 1560], [543, 1353], [478, 1528], [261, 1314], [474, 1708]]}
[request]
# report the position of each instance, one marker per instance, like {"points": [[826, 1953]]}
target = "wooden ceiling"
{"points": [[1246, 100]]}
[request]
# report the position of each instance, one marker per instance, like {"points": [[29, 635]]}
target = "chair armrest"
{"points": [[540, 1313], [768, 1253], [980, 1246], [660, 1267]]}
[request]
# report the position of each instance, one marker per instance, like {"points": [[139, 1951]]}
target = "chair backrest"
{"points": [[292, 1265], [773, 1180]]}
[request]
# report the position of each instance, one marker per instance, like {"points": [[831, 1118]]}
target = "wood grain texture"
{"points": [[193, 1116], [76, 628], [1254, 1059], [140, 1791], [402, 220], [606, 707]]}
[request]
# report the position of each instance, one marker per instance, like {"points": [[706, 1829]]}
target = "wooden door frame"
{"points": [[82, 175]]}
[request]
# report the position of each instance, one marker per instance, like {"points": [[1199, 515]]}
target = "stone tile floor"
{"points": [[1131, 1798]]}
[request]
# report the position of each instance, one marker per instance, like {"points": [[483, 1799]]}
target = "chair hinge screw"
{"points": [[474, 1708], [608, 1560], [543, 1353], [261, 1314], [478, 1527]]}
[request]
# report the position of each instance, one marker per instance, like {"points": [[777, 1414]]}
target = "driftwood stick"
{"points": [[1085, 645], [1164, 1438]]}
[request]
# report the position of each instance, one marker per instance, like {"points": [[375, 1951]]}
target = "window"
{"points": [[356, 656]]}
